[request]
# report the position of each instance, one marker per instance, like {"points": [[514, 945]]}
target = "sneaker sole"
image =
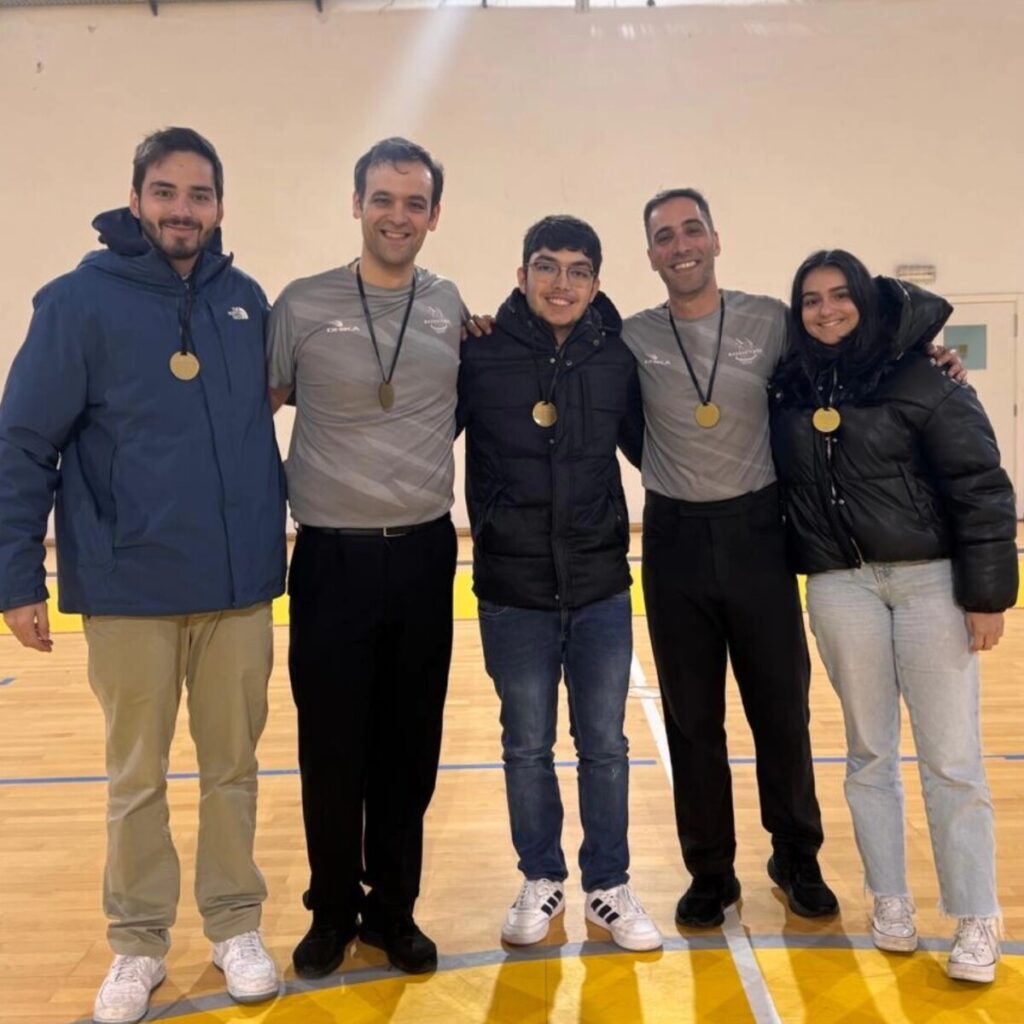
{"points": [[311, 974], [795, 905], [705, 922], [375, 939], [132, 1020], [972, 972], [633, 945], [893, 943], [255, 997], [531, 938]]}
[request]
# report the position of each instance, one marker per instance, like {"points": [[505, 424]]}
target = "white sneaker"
{"points": [[892, 924], [123, 997], [619, 912], [250, 974], [975, 951], [529, 918]]}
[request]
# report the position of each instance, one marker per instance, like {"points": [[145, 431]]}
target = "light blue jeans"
{"points": [[886, 630]]}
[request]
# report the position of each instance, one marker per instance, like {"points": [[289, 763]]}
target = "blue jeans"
{"points": [[886, 630], [526, 652]]}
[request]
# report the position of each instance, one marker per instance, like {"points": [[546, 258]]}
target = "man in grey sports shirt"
{"points": [[370, 351], [715, 578]]}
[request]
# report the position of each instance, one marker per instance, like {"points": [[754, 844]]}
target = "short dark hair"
{"points": [[560, 231], [677, 193], [157, 146], [394, 151], [868, 343]]}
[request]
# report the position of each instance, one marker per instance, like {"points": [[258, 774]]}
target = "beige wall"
{"points": [[891, 128]]}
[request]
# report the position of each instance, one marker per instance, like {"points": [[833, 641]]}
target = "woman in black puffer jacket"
{"points": [[897, 509]]}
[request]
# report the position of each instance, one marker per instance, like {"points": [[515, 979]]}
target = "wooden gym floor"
{"points": [[764, 966]]}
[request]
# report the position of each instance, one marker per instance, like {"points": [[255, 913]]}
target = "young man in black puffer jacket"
{"points": [[546, 400]]}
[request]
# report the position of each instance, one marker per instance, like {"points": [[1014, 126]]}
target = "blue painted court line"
{"points": [[55, 780], [483, 766], [7, 681]]}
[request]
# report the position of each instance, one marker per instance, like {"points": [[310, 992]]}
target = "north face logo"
{"points": [[237, 313]]}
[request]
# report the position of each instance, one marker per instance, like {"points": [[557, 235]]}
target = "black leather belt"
{"points": [[372, 531]]}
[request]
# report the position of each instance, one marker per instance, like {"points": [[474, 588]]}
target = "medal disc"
{"points": [[545, 414], [386, 394], [826, 420], [707, 414], [184, 366]]}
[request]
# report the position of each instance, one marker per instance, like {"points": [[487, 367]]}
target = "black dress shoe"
{"points": [[799, 877], [407, 948], [702, 905], [322, 948]]}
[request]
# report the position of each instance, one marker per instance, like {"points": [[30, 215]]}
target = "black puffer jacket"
{"points": [[911, 474], [550, 527]]}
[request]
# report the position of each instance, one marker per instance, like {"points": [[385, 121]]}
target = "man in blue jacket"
{"points": [[139, 400], [545, 401]]}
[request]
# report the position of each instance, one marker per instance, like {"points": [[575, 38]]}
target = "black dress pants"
{"points": [[716, 584], [371, 642]]}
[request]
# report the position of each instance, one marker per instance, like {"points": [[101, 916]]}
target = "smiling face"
{"points": [[177, 207], [558, 287], [396, 214], [682, 249], [828, 311]]}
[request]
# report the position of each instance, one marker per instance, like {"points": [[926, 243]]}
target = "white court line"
{"points": [[751, 978]]}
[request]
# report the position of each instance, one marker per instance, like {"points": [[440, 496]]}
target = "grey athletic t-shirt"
{"points": [[352, 463], [681, 459]]}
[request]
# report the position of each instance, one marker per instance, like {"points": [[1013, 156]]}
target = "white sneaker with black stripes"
{"points": [[618, 911], [528, 919]]}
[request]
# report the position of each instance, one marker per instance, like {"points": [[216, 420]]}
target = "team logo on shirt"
{"points": [[340, 327], [656, 360], [745, 352], [436, 320], [238, 313]]}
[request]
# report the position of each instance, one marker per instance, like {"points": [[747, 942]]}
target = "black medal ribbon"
{"points": [[386, 390], [544, 411], [707, 414], [185, 363], [826, 419]]}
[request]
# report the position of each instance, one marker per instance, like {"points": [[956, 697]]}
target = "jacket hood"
{"points": [[130, 254], [911, 316], [516, 317], [908, 319]]}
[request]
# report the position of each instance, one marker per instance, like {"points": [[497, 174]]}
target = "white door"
{"points": [[984, 332]]}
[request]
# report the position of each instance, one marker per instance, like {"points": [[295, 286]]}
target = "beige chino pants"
{"points": [[136, 669]]}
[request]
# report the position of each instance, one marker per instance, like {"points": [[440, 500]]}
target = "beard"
{"points": [[175, 247]]}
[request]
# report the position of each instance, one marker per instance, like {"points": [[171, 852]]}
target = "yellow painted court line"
{"points": [[465, 603]]}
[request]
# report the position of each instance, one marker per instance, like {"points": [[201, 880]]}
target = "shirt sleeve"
{"points": [[281, 344]]}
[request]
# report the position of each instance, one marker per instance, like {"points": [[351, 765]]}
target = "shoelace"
{"points": [[533, 894], [127, 968], [973, 939], [245, 946], [623, 900], [894, 910]]}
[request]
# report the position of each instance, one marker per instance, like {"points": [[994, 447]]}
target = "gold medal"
{"points": [[184, 366], [826, 421], [386, 394], [707, 415], [545, 414]]}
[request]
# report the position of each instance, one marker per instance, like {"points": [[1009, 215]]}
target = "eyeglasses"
{"points": [[576, 273]]}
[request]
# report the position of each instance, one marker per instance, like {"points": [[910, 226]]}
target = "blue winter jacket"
{"points": [[169, 493]]}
